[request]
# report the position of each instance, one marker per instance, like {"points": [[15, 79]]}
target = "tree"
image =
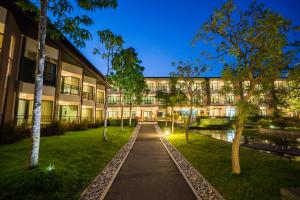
{"points": [[289, 93], [172, 98], [128, 78], [187, 73], [256, 40], [111, 44], [64, 22]]}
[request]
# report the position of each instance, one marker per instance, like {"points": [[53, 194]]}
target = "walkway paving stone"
{"points": [[149, 172]]}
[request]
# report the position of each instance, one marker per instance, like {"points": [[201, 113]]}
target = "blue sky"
{"points": [[161, 31]]}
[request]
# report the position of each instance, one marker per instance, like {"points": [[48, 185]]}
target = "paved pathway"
{"points": [[149, 172]]}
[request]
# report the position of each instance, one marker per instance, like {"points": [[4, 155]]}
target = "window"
{"points": [[113, 114], [113, 100], [88, 92], [126, 114], [197, 87], [214, 112], [70, 85], [214, 86], [68, 113], [215, 99], [29, 69], [2, 25], [147, 114], [25, 111], [87, 114], [263, 111], [148, 100], [262, 98], [100, 97], [151, 87], [49, 73], [99, 114], [198, 99], [162, 86], [230, 112], [230, 98]]}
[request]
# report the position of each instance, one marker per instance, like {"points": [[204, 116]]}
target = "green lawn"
{"points": [[76, 156], [262, 174]]}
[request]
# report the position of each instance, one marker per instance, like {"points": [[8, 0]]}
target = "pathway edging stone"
{"points": [[202, 189], [99, 187]]}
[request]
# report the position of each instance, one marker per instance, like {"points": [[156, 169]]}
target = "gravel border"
{"points": [[200, 186], [99, 187]]}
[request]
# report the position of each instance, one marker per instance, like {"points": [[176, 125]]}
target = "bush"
{"points": [[265, 123], [11, 133], [117, 122], [97, 124], [55, 128], [284, 122]]}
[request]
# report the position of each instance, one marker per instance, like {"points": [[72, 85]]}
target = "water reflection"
{"points": [[286, 146]]}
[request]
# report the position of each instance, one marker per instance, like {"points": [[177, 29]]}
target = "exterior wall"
{"points": [[69, 62], [9, 62], [214, 104]]}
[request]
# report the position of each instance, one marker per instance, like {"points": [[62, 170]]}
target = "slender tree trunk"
{"points": [[187, 128], [173, 120], [235, 153], [36, 128], [104, 132], [105, 114], [130, 110], [122, 112]]}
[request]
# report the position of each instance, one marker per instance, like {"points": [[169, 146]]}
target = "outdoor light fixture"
{"points": [[50, 167], [272, 126], [167, 132]]}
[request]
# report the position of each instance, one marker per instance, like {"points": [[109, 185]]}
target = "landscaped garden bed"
{"points": [[68, 163]]}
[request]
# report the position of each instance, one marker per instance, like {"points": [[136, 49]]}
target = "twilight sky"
{"points": [[161, 31]]}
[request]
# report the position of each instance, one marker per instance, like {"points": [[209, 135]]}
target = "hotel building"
{"points": [[212, 103], [73, 88]]}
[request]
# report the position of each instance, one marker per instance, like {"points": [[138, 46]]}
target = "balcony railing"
{"points": [[21, 119], [70, 89], [100, 100], [87, 96]]}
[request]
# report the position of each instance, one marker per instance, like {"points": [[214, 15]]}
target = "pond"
{"points": [[285, 146]]}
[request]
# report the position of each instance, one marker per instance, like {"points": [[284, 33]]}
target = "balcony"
{"points": [[87, 96], [100, 100], [70, 89]]}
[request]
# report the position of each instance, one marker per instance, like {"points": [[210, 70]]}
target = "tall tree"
{"points": [[109, 45], [128, 78], [64, 22], [172, 98], [256, 40], [187, 74]]}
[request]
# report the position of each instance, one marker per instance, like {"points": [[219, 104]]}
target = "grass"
{"points": [[262, 174], [77, 158]]}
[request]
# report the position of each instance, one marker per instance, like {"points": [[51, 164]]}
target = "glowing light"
{"points": [[272, 126], [50, 167], [167, 132]]}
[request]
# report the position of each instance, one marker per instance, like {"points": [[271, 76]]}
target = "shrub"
{"points": [[55, 128], [265, 123], [283, 122], [11, 133], [97, 124], [117, 122]]}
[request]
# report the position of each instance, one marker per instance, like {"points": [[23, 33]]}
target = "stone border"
{"points": [[100, 186], [199, 185]]}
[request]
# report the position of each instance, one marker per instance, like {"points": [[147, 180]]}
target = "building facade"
{"points": [[213, 103], [73, 88]]}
